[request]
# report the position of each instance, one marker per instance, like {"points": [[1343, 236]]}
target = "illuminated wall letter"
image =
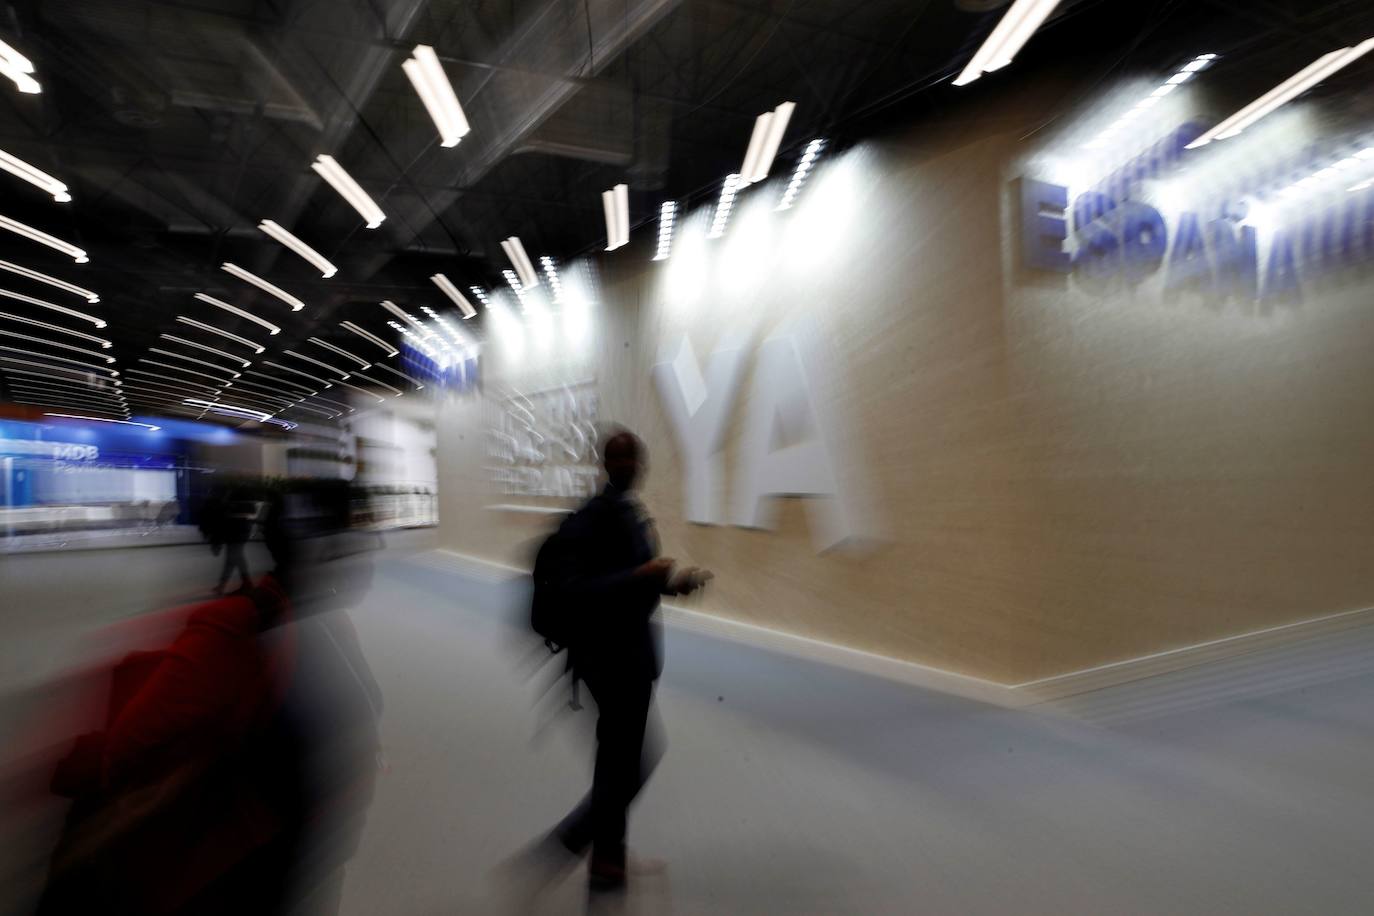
{"points": [[1043, 227], [786, 448], [698, 407], [1188, 264]]}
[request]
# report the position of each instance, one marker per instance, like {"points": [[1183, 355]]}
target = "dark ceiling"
{"points": [[179, 125]]}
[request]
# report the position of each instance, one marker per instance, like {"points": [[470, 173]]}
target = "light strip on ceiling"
{"points": [[402, 314], [367, 378], [1284, 92], [254, 401], [515, 251], [322, 411], [36, 235], [35, 176], [45, 400], [323, 365], [272, 329], [51, 281], [67, 388], [227, 335], [192, 359], [280, 381], [452, 292], [379, 398], [804, 166], [431, 84], [69, 416], [515, 285], [369, 337], [316, 379], [481, 296], [53, 343], [263, 392], [41, 303], [616, 206], [260, 283], [83, 371], [666, 215], [551, 273], [416, 341], [299, 247], [207, 348], [414, 381], [19, 69], [769, 128], [339, 404], [723, 207], [1183, 75], [330, 170], [85, 378], [104, 344], [341, 351], [214, 378], [143, 378], [60, 359], [236, 410], [1015, 29]]}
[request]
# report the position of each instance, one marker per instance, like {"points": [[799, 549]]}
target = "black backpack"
{"points": [[553, 614]]}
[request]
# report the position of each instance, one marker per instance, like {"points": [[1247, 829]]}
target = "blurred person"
{"points": [[236, 765], [611, 577], [235, 527]]}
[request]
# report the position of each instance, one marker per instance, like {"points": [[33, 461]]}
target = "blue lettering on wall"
{"points": [[1043, 227], [1189, 268], [1235, 259], [1281, 277], [1144, 239]]}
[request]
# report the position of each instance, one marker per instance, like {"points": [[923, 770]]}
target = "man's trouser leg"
{"points": [[622, 766]]}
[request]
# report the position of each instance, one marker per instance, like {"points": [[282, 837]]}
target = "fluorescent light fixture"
{"points": [[379, 398], [345, 407], [436, 92], [414, 381], [515, 285], [66, 387], [222, 333], [402, 314], [51, 281], [19, 69], [1015, 29], [1284, 92], [28, 232], [1329, 173], [316, 379], [207, 348], [104, 344], [723, 207], [299, 247], [481, 296], [191, 359], [161, 365], [551, 272], [279, 381], [349, 190], [272, 329], [769, 128], [263, 391], [72, 416], [458, 337], [61, 359], [324, 412], [1183, 75], [804, 166], [84, 373], [666, 215], [341, 351], [41, 303], [451, 291], [616, 204], [260, 283], [320, 363], [140, 377], [232, 410], [415, 340], [515, 251], [53, 343], [369, 337], [35, 176]]}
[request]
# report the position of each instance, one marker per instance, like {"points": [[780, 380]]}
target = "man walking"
{"points": [[614, 578]]}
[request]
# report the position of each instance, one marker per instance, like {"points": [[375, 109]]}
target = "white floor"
{"points": [[791, 788]]}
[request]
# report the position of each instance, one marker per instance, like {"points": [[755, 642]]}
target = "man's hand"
{"points": [[689, 580], [657, 570]]}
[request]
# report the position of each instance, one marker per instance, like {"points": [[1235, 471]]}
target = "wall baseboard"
{"points": [[1012, 696]]}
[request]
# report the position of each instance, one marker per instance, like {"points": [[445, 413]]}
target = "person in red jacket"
{"points": [[229, 760]]}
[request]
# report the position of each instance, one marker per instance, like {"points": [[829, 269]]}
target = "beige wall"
{"points": [[1050, 479]]}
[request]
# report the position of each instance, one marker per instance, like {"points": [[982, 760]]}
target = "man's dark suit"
{"points": [[618, 655]]}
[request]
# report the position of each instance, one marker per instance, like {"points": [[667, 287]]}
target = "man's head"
{"points": [[623, 456]]}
